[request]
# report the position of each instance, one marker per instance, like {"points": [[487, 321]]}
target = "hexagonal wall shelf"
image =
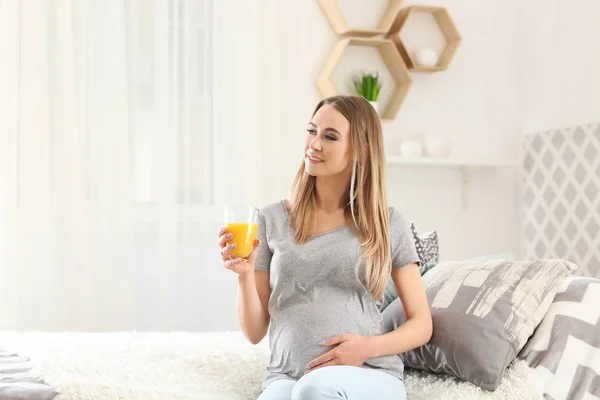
{"points": [[334, 15], [390, 58], [410, 41]]}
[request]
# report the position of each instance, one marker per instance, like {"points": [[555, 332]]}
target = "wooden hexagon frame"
{"points": [[392, 59], [338, 23], [447, 27]]}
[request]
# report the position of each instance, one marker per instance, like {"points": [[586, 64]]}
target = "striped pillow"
{"points": [[18, 382], [565, 348], [483, 313]]}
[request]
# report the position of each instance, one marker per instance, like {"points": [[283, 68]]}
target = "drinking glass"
{"points": [[242, 222]]}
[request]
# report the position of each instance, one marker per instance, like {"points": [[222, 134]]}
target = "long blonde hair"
{"points": [[366, 199]]}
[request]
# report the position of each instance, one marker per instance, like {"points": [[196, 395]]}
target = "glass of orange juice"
{"points": [[242, 223]]}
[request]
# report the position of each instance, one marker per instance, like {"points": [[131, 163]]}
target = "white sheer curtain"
{"points": [[107, 164]]}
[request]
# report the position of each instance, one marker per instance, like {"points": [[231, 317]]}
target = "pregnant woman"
{"points": [[320, 265]]}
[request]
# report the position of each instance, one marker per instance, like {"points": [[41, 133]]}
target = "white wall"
{"points": [[559, 63], [474, 103]]}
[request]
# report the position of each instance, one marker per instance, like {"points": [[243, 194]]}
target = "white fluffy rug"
{"points": [[198, 366]]}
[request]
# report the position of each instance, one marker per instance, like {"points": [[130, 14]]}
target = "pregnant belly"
{"points": [[296, 333]]}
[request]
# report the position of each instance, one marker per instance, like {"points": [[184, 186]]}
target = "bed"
{"points": [[178, 365], [554, 364]]}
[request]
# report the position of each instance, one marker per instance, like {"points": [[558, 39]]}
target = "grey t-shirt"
{"points": [[317, 292]]}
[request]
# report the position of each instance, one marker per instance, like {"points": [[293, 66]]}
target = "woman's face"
{"points": [[327, 148]]}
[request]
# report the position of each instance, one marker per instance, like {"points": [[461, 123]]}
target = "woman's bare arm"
{"points": [[253, 304], [418, 328]]}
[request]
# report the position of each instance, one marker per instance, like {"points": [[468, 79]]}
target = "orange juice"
{"points": [[244, 234]]}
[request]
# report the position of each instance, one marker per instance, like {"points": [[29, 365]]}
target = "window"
{"points": [[170, 61]]}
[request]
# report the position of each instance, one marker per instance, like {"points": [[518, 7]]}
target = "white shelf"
{"points": [[439, 162], [464, 165]]}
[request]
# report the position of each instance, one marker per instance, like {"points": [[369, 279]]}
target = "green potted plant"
{"points": [[368, 86]]}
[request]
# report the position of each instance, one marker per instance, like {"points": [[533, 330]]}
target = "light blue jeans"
{"points": [[337, 382]]}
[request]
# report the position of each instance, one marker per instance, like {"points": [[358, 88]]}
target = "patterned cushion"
{"points": [[427, 246], [483, 313], [565, 348], [428, 252]]}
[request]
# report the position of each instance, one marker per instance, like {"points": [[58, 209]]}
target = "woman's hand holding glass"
{"points": [[237, 239]]}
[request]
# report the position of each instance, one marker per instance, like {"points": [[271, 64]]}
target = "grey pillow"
{"points": [[483, 313], [428, 251]]}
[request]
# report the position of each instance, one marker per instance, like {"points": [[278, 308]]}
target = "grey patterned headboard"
{"points": [[561, 196]]}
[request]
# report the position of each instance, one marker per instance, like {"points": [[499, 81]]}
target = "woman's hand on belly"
{"points": [[350, 350]]}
